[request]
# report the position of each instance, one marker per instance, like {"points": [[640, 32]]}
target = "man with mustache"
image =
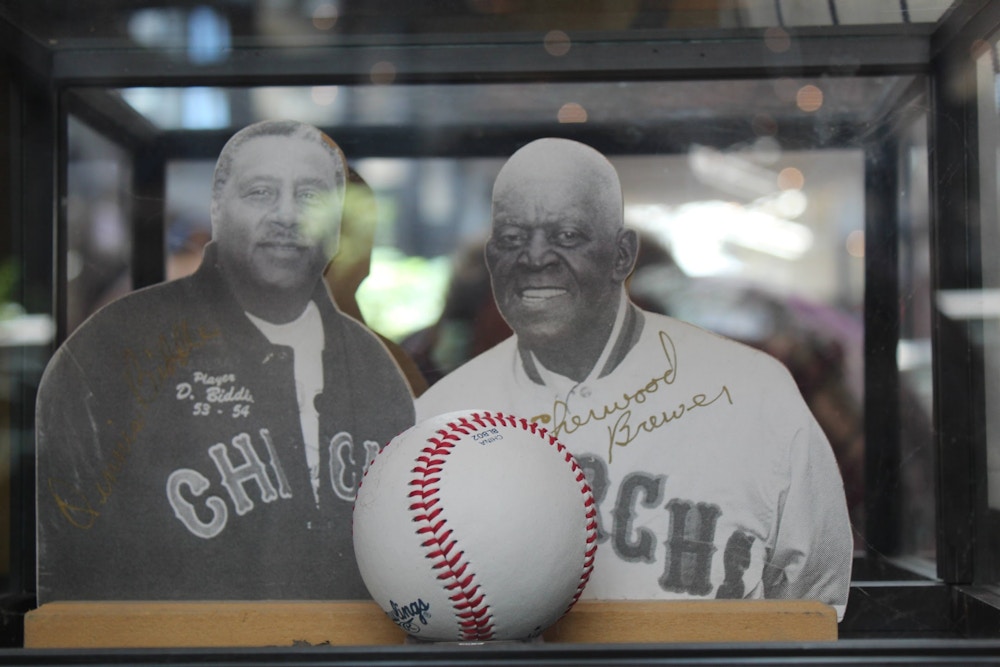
{"points": [[713, 479], [205, 438]]}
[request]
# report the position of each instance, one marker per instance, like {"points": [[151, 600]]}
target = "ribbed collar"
{"points": [[624, 334]]}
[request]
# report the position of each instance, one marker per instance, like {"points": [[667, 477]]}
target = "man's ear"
{"points": [[626, 251], [213, 214]]}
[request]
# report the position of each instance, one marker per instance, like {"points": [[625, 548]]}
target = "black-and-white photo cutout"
{"points": [[712, 477], [204, 438]]}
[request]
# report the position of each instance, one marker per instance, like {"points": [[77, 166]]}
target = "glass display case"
{"points": [[816, 179]]}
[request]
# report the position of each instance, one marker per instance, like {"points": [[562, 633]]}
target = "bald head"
{"points": [[554, 165]]}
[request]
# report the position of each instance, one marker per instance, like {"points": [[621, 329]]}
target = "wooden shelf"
{"points": [[362, 623]]}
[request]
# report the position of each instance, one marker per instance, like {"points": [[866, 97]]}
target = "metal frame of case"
{"points": [[43, 85]]}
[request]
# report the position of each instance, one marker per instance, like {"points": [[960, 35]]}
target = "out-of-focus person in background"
{"points": [[353, 264], [470, 322]]}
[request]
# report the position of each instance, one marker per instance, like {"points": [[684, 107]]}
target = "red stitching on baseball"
{"points": [[475, 621], [591, 516], [472, 610]]}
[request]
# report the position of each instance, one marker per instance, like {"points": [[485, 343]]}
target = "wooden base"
{"points": [[694, 621], [258, 624]]}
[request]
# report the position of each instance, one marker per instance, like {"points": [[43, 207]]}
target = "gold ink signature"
{"points": [[146, 372], [623, 432], [73, 503], [148, 369]]}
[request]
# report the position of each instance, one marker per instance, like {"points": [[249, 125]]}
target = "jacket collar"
{"points": [[622, 339], [208, 286]]}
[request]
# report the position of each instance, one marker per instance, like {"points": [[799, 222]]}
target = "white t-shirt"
{"points": [[305, 336]]}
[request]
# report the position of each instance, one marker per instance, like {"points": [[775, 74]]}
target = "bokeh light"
{"points": [[324, 96], [777, 40], [383, 72], [325, 16], [856, 244], [809, 98], [557, 43], [571, 112], [790, 178]]}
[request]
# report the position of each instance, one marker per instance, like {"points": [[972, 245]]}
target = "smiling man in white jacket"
{"points": [[713, 478]]}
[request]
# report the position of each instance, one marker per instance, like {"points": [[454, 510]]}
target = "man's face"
{"points": [[553, 257], [277, 218]]}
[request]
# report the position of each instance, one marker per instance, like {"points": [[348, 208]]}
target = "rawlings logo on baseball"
{"points": [[406, 615], [499, 540]]}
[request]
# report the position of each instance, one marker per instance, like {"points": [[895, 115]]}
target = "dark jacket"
{"points": [[170, 454]]}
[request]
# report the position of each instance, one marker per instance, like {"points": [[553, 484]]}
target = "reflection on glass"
{"points": [[99, 238], [917, 543], [990, 144], [749, 195], [986, 303]]}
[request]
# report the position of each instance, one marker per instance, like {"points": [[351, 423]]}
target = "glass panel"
{"points": [[98, 227], [27, 330], [913, 356], [811, 113], [988, 160], [752, 216], [986, 304]]}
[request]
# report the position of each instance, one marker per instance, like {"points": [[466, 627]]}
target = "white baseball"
{"points": [[475, 526]]}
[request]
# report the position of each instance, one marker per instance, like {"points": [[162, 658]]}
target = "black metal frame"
{"points": [[42, 86], [873, 652], [32, 131], [958, 372]]}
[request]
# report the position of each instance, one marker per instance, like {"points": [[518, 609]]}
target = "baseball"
{"points": [[475, 526]]}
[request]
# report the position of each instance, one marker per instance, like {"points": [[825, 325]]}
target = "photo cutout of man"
{"points": [[712, 477], [205, 438]]}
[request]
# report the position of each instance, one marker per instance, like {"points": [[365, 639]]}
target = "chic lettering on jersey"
{"points": [[688, 547], [249, 470], [596, 471], [348, 464], [635, 544], [735, 561]]}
